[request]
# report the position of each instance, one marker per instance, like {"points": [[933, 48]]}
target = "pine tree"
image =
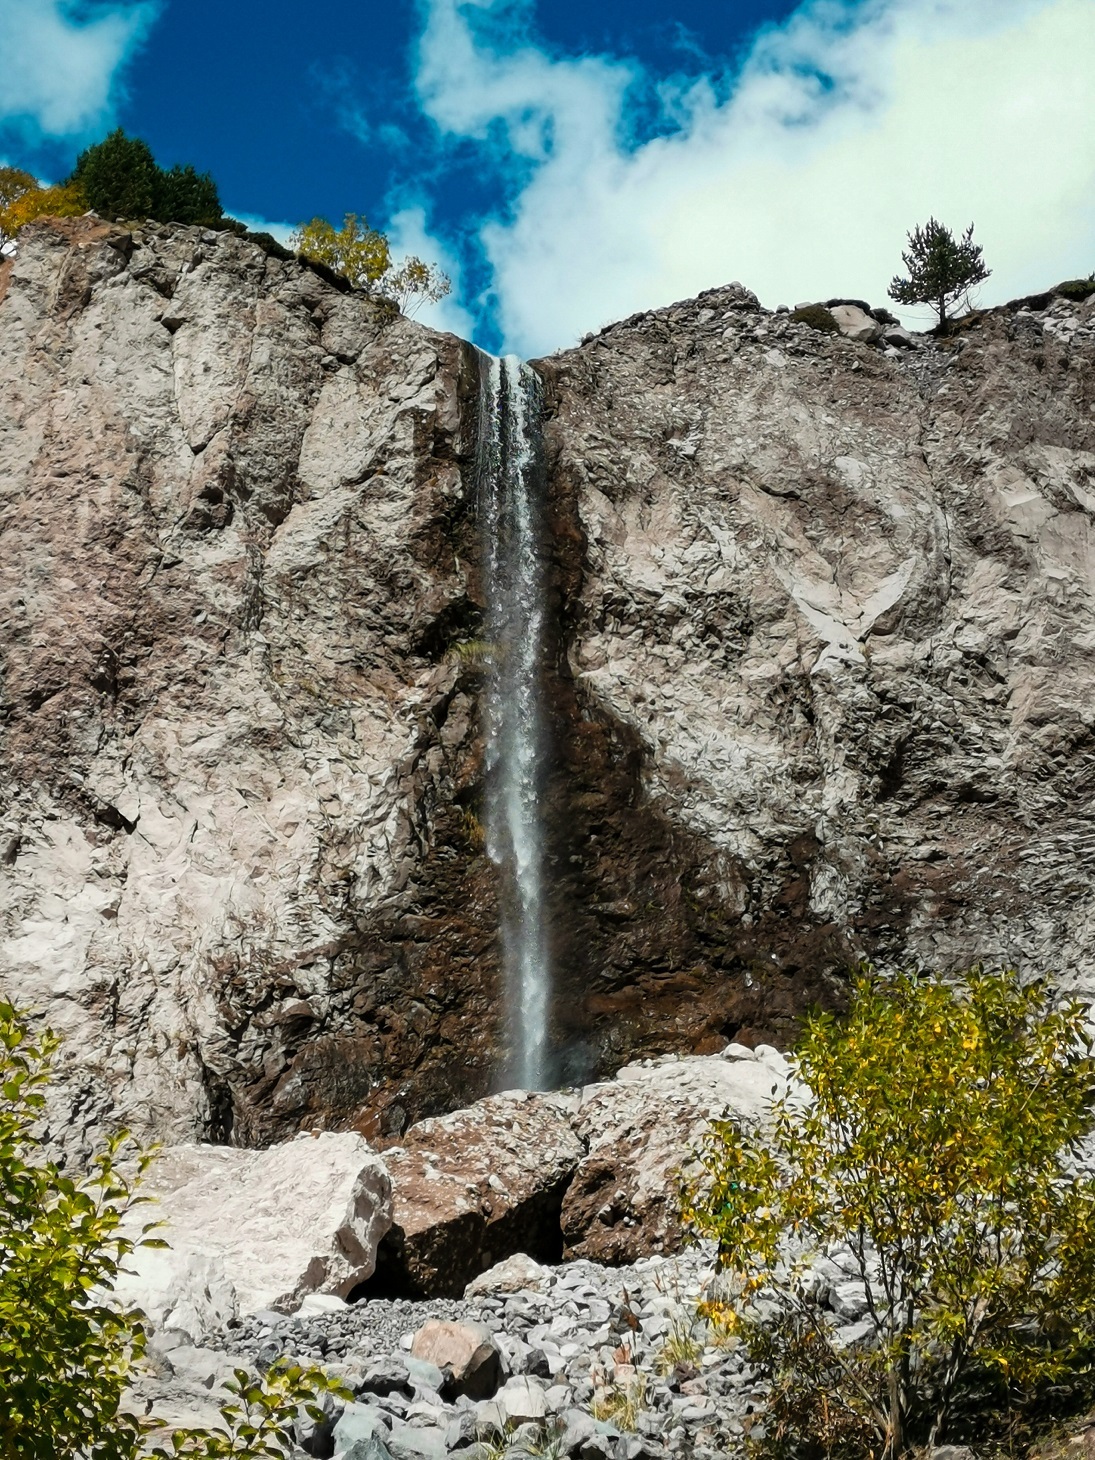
{"points": [[120, 179], [942, 269], [118, 176], [186, 196]]}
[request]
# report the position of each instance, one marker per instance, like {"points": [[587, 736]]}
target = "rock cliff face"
{"points": [[829, 657], [822, 678], [234, 550]]}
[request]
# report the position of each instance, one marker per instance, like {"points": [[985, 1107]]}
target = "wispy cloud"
{"points": [[62, 62], [408, 233], [798, 173]]}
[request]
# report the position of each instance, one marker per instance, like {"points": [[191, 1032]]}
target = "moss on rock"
{"points": [[817, 317], [1076, 288]]}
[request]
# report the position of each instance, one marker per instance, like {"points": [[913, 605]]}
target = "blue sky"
{"points": [[570, 162]]}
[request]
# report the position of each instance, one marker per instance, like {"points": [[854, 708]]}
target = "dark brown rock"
{"points": [[473, 1187]]}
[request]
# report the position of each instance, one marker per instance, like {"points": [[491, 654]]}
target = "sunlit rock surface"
{"points": [[832, 604], [822, 646]]}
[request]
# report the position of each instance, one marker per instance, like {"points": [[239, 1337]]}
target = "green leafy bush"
{"points": [[1076, 288], [935, 1148], [817, 317], [67, 1351], [258, 1417]]}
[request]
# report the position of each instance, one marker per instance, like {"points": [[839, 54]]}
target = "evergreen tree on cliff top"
{"points": [[942, 268], [119, 178]]}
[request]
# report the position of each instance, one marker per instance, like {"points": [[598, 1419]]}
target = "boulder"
{"points": [[426, 1376], [410, 1442], [256, 1229], [466, 1351], [372, 1448], [359, 1423], [473, 1187], [511, 1275], [522, 1400], [639, 1129], [386, 1376], [856, 323], [176, 1404]]}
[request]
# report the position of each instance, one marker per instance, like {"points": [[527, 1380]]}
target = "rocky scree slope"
{"points": [[570, 1342], [820, 683]]}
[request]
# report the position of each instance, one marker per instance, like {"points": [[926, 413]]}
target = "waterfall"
{"points": [[511, 513]]}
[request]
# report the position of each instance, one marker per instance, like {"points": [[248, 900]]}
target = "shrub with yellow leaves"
{"points": [[68, 1350], [23, 199], [934, 1143], [362, 255]]}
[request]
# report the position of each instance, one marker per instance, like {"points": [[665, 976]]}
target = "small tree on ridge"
{"points": [[120, 179], [942, 269], [361, 254]]}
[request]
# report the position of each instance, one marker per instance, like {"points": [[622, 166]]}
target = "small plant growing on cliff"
{"points": [[932, 1145], [67, 1351], [23, 199], [14, 184], [362, 255], [942, 268]]}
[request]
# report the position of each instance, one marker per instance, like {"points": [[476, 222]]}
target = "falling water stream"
{"points": [[511, 508]]}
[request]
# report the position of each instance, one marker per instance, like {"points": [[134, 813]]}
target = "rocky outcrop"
{"points": [[827, 661], [236, 544], [572, 1343], [248, 1231], [820, 681], [640, 1131], [474, 1187], [483, 1196]]}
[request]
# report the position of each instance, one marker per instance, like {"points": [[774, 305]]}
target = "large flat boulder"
{"points": [[640, 1129], [251, 1230], [474, 1187]]}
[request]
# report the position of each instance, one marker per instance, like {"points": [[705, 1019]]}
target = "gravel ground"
{"points": [[587, 1355]]}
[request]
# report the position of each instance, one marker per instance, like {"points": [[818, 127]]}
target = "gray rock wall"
{"points": [[232, 509], [841, 598], [821, 681]]}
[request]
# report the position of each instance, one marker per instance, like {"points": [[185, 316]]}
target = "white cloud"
{"points": [[62, 58], [408, 234], [799, 176]]}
